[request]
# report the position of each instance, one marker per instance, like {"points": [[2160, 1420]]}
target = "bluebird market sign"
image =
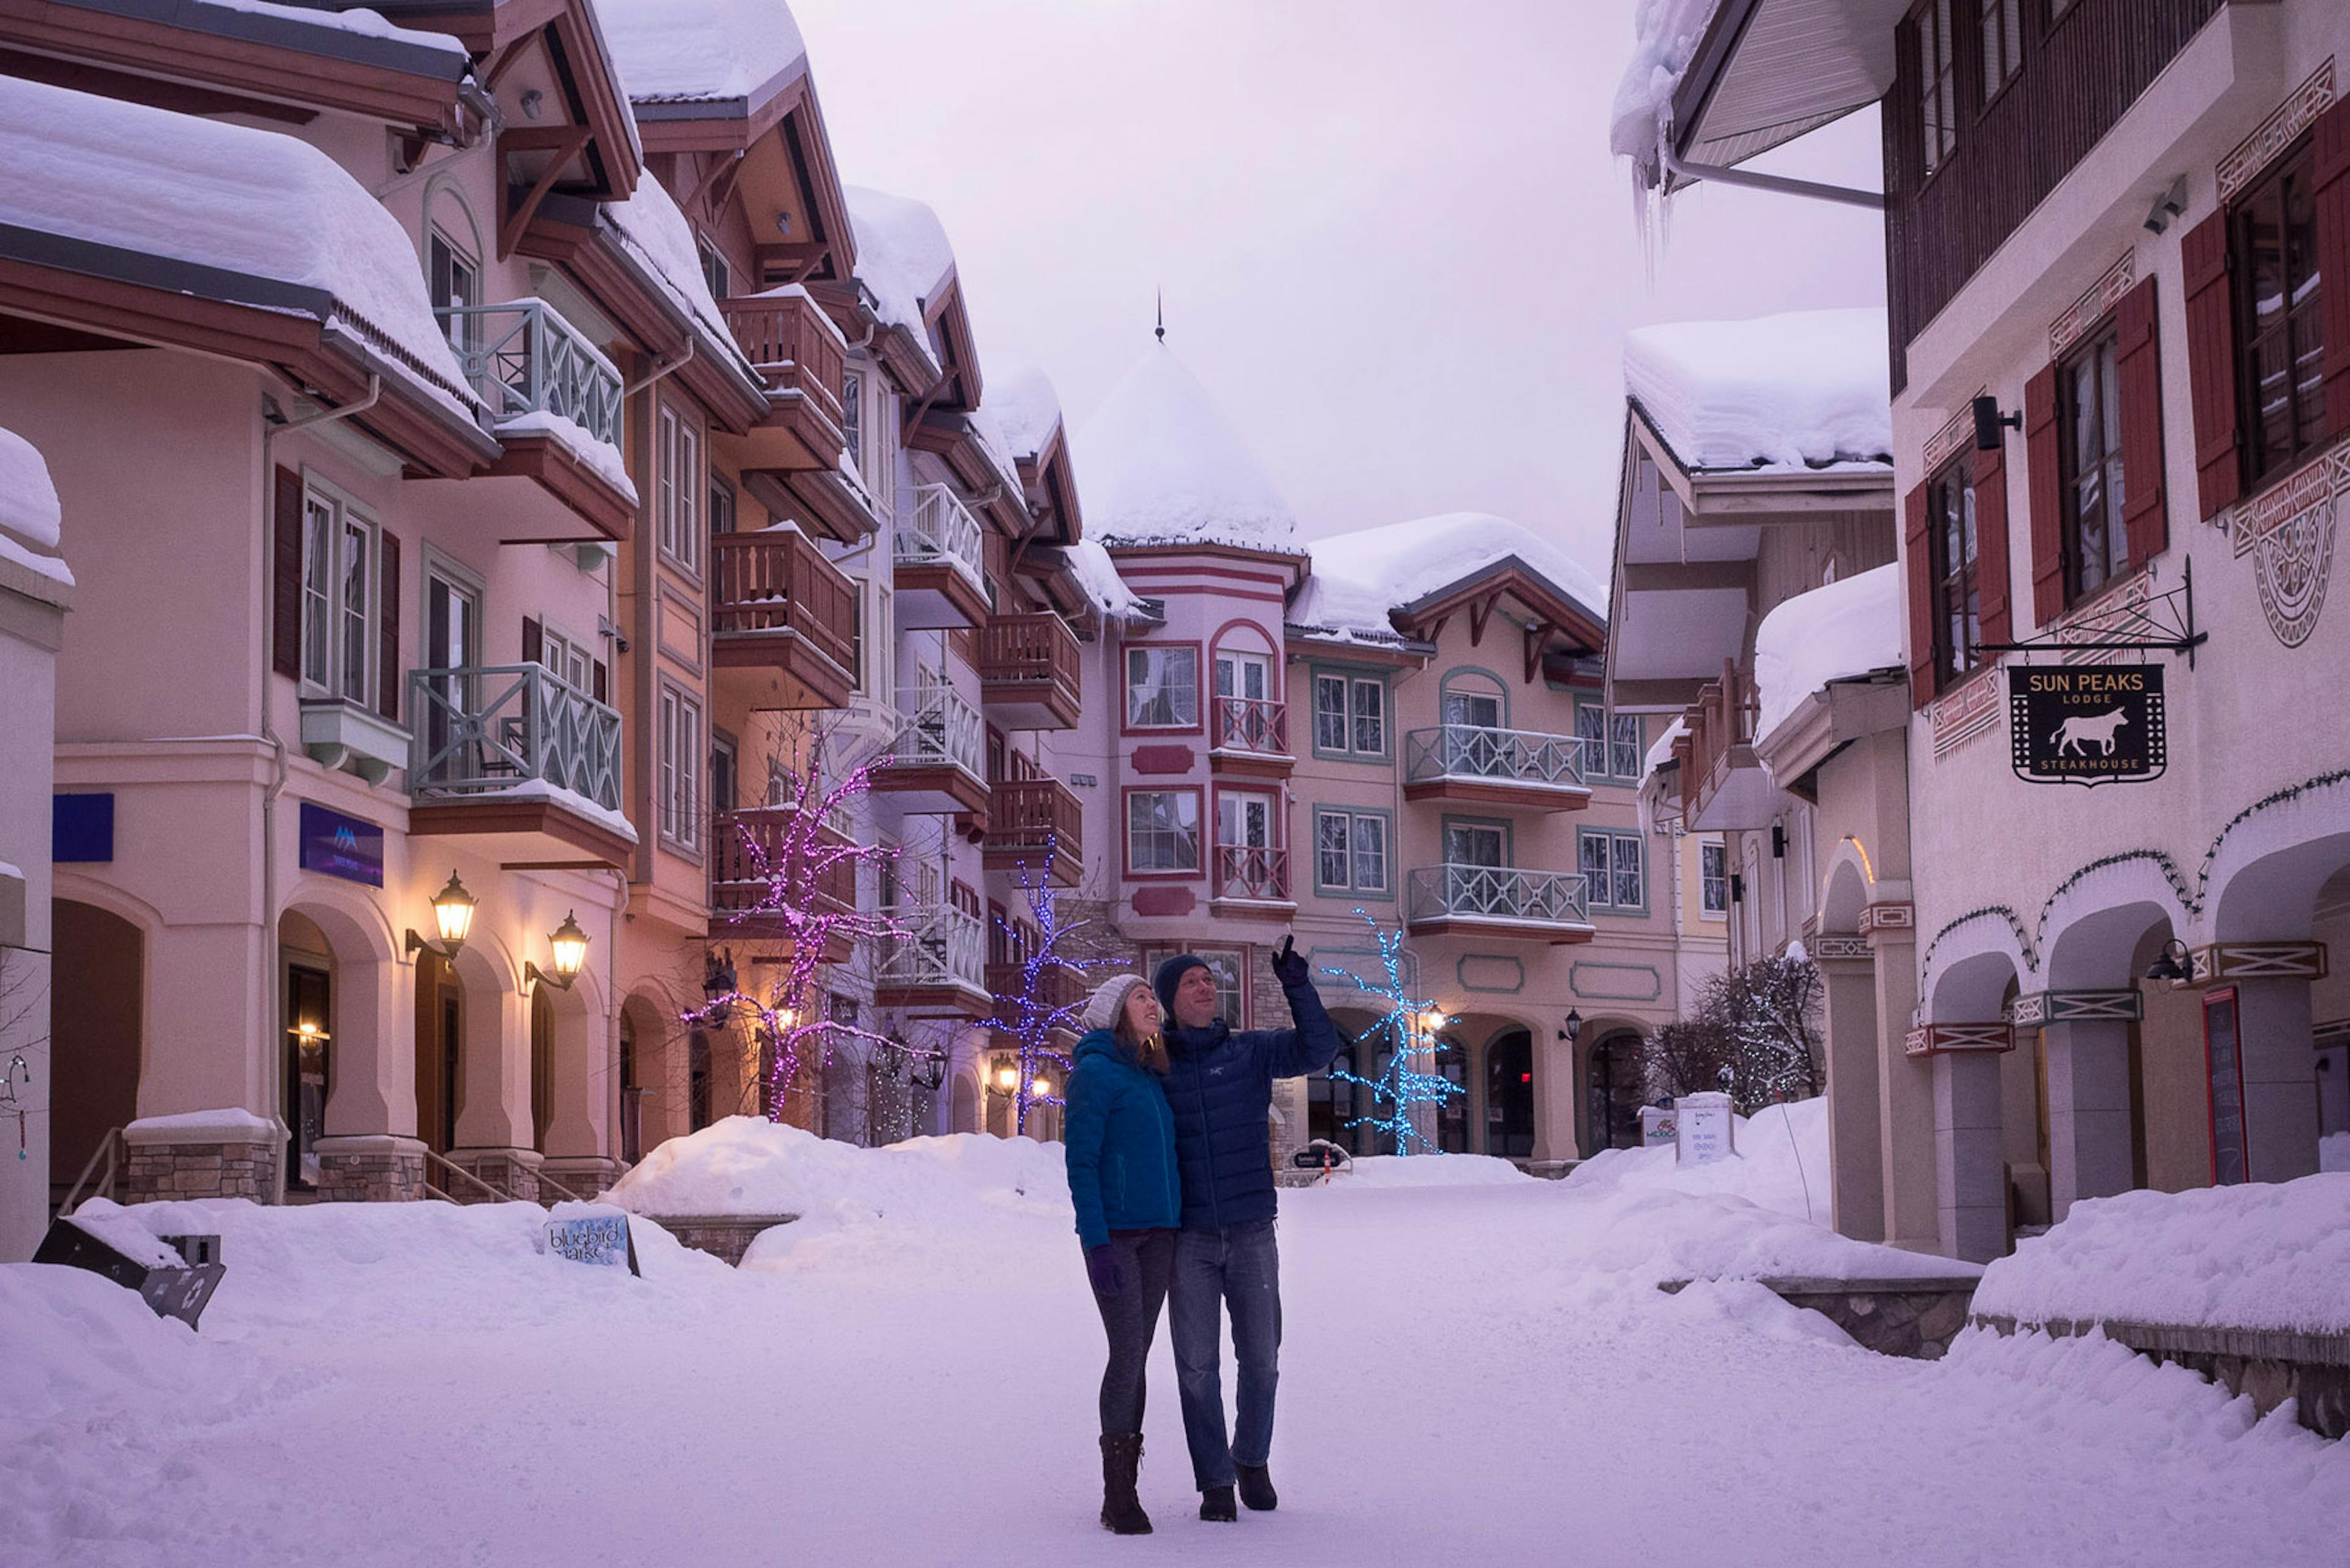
{"points": [[341, 846], [2086, 723]]}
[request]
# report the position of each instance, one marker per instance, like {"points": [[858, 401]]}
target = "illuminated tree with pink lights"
{"points": [[1031, 1016]]}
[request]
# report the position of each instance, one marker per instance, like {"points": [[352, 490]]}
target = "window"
{"points": [[2088, 392], [680, 803], [1162, 830], [714, 269], [679, 483], [1713, 880], [1938, 90], [1474, 710], [852, 417], [1227, 966], [1611, 867], [568, 658], [456, 282], [725, 774], [1370, 717], [2279, 316], [1476, 844], [338, 601], [1244, 820], [1951, 548], [2001, 22], [1350, 851], [721, 505], [1162, 688], [1612, 745], [1243, 675], [1350, 715]]}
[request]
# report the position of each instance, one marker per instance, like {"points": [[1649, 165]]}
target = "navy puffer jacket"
{"points": [[1220, 1086]]}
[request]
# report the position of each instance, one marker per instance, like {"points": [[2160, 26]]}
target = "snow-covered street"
{"points": [[908, 1379]]}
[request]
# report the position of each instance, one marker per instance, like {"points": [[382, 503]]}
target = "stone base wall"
{"points": [[2311, 1369], [1914, 1318], [167, 1172], [587, 1176], [726, 1236], [370, 1170], [514, 1171]]}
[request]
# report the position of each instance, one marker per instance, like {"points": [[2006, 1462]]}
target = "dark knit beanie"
{"points": [[1171, 974]]}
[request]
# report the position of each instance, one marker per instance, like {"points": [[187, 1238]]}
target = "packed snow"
{"points": [[1427, 1170], [670, 51], [1806, 390], [1097, 579], [1661, 750], [653, 230], [2262, 1255], [1848, 629], [590, 449], [1666, 34], [224, 1121], [2334, 1152], [204, 192], [1358, 577], [1159, 463], [570, 800], [360, 23], [902, 256], [912, 1381]]}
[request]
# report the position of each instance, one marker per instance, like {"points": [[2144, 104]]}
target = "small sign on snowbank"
{"points": [[592, 1233], [1703, 1131]]}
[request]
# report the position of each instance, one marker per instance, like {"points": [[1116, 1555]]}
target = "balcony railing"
{"points": [[1499, 893], [941, 946], [781, 581], [746, 854], [1723, 721], [1251, 871], [938, 728], [794, 346], [1477, 751], [1252, 724], [487, 728], [1055, 987], [942, 532], [522, 357], [1031, 649], [1030, 816]]}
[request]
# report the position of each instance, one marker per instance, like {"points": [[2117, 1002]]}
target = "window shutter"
{"points": [[534, 645], [1922, 602], [2211, 364], [2146, 516], [603, 683], [2333, 179], [285, 585], [388, 672], [2046, 477], [1995, 622]]}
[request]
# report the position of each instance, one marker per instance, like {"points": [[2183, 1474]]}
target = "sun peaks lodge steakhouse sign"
{"points": [[2085, 723]]}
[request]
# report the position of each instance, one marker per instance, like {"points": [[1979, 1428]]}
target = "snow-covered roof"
{"points": [[252, 205], [28, 509], [902, 255], [1097, 578], [1024, 404], [653, 231], [1665, 35], [701, 51], [1357, 578], [1848, 629], [1797, 391], [1158, 463], [1661, 751], [321, 24]]}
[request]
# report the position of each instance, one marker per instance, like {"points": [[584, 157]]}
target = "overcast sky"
{"points": [[1392, 239]]}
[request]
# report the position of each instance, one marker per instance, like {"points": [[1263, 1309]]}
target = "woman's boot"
{"points": [[1122, 1510]]}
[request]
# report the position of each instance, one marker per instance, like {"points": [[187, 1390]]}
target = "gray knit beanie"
{"points": [[1108, 1001]]}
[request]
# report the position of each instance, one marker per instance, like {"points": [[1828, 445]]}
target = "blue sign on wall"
{"points": [[81, 828], [341, 846]]}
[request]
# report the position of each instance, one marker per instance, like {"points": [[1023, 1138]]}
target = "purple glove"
{"points": [[1106, 1267]]}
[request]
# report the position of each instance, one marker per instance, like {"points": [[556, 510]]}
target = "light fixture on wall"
{"points": [[1988, 421], [2170, 204], [570, 945], [1574, 1026], [1007, 1076], [453, 918], [929, 1071], [2173, 963]]}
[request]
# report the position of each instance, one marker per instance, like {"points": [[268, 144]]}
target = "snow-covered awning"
{"points": [[1844, 631], [1801, 392]]}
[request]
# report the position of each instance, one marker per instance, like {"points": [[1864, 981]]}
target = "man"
{"points": [[1219, 1088]]}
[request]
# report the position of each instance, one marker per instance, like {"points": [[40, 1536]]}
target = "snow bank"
{"points": [[1833, 633], [2264, 1255], [1158, 463], [1358, 577], [1665, 35], [2334, 1152], [1782, 1164], [204, 192], [1799, 390], [71, 1340], [1429, 1170], [683, 51], [902, 255]]}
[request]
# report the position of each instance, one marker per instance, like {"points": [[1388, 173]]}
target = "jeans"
{"points": [[1240, 1266], [1130, 1318]]}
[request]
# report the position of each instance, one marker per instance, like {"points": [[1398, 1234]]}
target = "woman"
{"points": [[1121, 1152]]}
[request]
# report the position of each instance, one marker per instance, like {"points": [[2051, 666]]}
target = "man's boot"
{"points": [[1122, 1510], [1256, 1488], [1216, 1504]]}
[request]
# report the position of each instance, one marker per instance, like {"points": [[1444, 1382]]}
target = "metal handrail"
{"points": [[498, 1194], [1484, 751], [104, 1151], [1500, 892], [942, 532], [524, 357], [940, 729], [546, 1181], [536, 727]]}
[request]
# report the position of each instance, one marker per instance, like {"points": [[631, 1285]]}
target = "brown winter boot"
{"points": [[1122, 1510]]}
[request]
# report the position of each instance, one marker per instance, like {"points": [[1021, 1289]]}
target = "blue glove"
{"points": [[1288, 968], [1106, 1267]]}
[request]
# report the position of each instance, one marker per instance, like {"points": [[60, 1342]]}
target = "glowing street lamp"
{"points": [[569, 944], [452, 919]]}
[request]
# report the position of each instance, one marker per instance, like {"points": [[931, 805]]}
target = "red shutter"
{"points": [[388, 671], [1920, 565], [2146, 515], [2333, 177], [2211, 364], [2045, 480], [1992, 602], [285, 584]]}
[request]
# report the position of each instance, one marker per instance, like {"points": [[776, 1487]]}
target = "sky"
{"points": [[1391, 237]]}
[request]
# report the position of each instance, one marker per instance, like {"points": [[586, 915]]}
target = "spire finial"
{"points": [[1161, 333]]}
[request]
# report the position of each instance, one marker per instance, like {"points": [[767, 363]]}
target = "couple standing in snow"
{"points": [[1173, 1187]]}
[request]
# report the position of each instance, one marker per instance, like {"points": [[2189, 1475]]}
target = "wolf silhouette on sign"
{"points": [[2070, 734]]}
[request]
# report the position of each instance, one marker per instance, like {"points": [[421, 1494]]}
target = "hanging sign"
{"points": [[2086, 723]]}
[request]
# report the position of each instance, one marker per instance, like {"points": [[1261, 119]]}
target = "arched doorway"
{"points": [[542, 1067], [1452, 1115], [97, 1046], [440, 1051], [1330, 1101], [1510, 1094], [1612, 1101], [966, 1104], [632, 1093], [307, 1043]]}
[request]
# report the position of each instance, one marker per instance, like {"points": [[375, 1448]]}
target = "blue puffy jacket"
{"points": [[1119, 1143], [1219, 1088]]}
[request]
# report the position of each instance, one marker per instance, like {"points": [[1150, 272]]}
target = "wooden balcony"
{"points": [[1499, 901], [1252, 883], [749, 850], [782, 622], [938, 968], [1030, 819], [937, 761], [1029, 672], [520, 759], [1487, 766], [1056, 988], [1249, 736], [1724, 786], [938, 565], [801, 358], [554, 402]]}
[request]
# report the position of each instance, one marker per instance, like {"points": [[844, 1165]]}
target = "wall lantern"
{"points": [[1574, 1026], [1989, 420], [2173, 963], [1007, 1077], [570, 945], [929, 1071], [453, 918]]}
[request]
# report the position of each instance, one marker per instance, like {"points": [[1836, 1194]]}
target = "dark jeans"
{"points": [[1239, 1265], [1131, 1320]]}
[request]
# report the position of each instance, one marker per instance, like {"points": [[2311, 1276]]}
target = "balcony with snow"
{"points": [[1249, 736], [1486, 765], [1032, 818], [1030, 672], [940, 564], [553, 400], [519, 762], [937, 968], [936, 762], [1499, 902], [753, 850], [802, 360], [782, 622]]}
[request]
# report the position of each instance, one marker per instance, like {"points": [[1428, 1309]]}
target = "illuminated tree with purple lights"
{"points": [[1029, 1015], [1409, 1025]]}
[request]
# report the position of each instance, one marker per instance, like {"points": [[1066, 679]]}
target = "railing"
{"points": [[941, 945], [489, 1191], [524, 357], [1034, 815], [1252, 724], [1056, 988], [745, 841], [1037, 648], [781, 581], [1251, 871], [1723, 721], [942, 532], [106, 1154], [1476, 750], [939, 729], [1499, 893], [485, 728], [787, 336]]}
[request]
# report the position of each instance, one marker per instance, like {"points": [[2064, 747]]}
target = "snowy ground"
{"points": [[1476, 1370]]}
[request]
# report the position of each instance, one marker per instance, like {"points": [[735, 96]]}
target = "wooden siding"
{"points": [[1791, 558]]}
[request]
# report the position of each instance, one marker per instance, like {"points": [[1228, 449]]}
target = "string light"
{"points": [[1028, 1016], [1410, 1024]]}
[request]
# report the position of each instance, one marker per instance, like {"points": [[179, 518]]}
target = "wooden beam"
{"points": [[716, 182], [1479, 612], [566, 142]]}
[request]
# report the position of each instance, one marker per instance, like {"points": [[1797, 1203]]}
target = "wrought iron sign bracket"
{"points": [[2178, 617]]}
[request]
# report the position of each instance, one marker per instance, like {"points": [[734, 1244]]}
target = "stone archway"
{"points": [[1964, 1043], [1615, 1088]]}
